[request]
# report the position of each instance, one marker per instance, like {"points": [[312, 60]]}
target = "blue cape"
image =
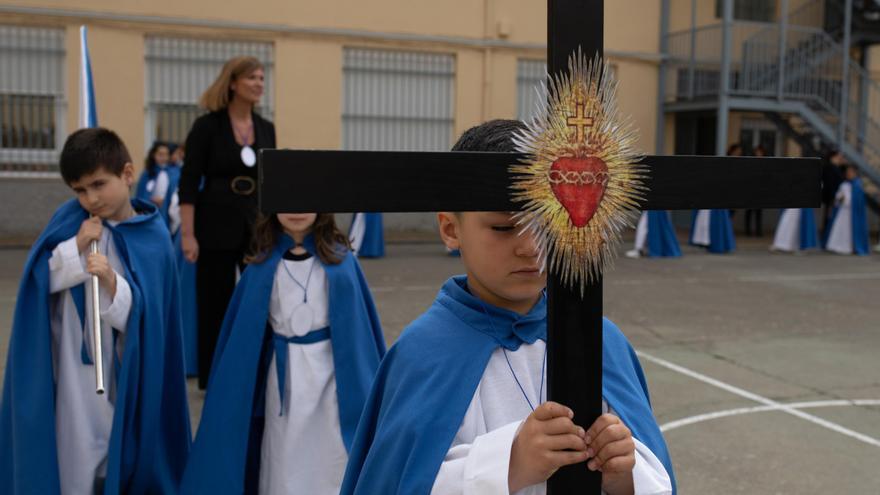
{"points": [[428, 378], [661, 236], [189, 315], [859, 218], [186, 271], [226, 454], [721, 239], [808, 233], [150, 436], [374, 239], [142, 194]]}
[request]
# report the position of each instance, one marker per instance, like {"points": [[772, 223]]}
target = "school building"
{"points": [[414, 74]]}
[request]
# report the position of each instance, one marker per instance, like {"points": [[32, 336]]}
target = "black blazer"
{"points": [[223, 219]]}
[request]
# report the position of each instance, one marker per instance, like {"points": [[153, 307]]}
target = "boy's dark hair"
{"points": [[494, 135], [87, 150]]}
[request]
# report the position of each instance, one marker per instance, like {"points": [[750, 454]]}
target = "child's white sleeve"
{"points": [[480, 467], [115, 311], [161, 187], [649, 474], [66, 267]]}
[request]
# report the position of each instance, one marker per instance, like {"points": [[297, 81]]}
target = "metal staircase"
{"points": [[795, 73]]}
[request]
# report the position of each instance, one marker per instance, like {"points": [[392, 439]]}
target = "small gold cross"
{"points": [[580, 121]]}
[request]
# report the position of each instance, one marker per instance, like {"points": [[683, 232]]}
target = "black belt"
{"points": [[242, 185]]}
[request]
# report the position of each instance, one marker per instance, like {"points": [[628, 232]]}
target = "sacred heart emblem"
{"points": [[579, 185], [571, 150]]}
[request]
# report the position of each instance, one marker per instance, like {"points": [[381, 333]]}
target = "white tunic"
{"points": [[642, 232], [83, 419], [158, 187], [357, 232], [174, 214], [701, 236], [479, 459], [788, 231], [840, 239], [302, 449]]}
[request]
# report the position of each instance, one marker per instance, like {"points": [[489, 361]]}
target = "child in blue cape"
{"points": [[297, 352], [56, 434], [655, 237], [159, 179], [159, 184], [796, 231], [713, 230], [367, 238], [459, 404], [848, 231]]}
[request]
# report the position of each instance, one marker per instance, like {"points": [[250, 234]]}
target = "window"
{"points": [[749, 10], [31, 100], [529, 76], [179, 70], [396, 100]]}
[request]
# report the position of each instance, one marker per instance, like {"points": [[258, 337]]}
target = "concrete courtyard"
{"points": [[764, 368]]}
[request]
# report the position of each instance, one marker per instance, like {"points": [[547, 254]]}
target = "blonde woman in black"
{"points": [[218, 201]]}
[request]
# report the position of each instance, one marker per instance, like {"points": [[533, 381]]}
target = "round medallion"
{"points": [[248, 157]]}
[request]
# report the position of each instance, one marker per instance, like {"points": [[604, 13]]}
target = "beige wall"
{"points": [[309, 64], [308, 86]]}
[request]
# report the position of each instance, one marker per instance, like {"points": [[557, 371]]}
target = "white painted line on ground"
{"points": [[760, 399], [826, 277], [699, 418], [811, 278]]}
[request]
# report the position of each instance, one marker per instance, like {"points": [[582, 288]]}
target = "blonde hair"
{"points": [[218, 95]]}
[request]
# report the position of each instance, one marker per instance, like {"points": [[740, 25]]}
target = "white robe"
{"points": [[302, 449], [840, 239], [479, 459], [83, 419], [158, 187], [702, 236], [358, 231], [788, 231], [174, 214], [642, 233]]}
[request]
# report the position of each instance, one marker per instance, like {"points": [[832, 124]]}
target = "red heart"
{"points": [[579, 184]]}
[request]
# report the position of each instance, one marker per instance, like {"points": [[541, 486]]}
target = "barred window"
{"points": [[32, 101], [179, 70], [529, 76], [749, 10], [397, 100]]}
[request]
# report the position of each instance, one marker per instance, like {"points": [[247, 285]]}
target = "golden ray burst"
{"points": [[578, 124]]}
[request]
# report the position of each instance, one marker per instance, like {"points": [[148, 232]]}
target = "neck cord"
{"points": [[305, 288], [504, 350]]}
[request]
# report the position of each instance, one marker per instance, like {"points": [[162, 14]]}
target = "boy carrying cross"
{"points": [[458, 404]]}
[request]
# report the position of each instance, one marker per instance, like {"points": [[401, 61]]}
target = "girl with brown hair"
{"points": [[299, 346], [217, 193]]}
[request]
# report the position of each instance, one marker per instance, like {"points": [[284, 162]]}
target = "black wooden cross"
{"points": [[377, 181]]}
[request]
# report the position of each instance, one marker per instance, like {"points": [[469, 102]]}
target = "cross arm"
{"points": [[352, 181]]}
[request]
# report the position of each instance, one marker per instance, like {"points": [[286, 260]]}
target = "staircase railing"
{"points": [[810, 71]]}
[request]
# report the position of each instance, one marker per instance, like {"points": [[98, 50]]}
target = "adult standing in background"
{"points": [[754, 216], [216, 220]]}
